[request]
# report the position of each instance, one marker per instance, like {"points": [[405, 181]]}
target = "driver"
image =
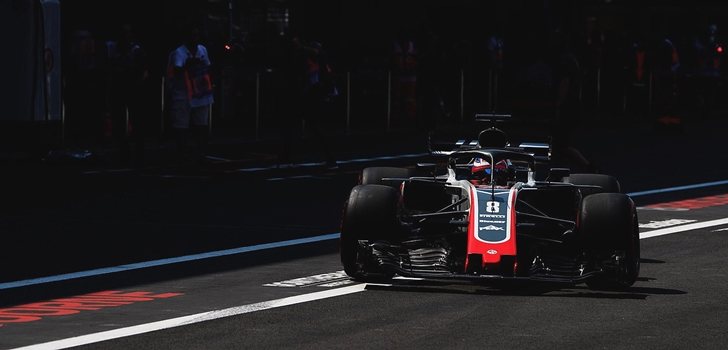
{"points": [[481, 171]]}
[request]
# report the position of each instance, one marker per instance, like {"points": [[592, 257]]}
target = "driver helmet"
{"points": [[482, 169]]}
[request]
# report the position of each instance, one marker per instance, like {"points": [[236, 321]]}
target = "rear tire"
{"points": [[374, 175], [608, 222], [608, 184], [370, 214]]}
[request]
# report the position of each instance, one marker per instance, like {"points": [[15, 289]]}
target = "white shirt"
{"points": [[178, 58]]}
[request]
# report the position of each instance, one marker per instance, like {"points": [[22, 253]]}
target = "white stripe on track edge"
{"points": [[191, 319], [681, 228]]}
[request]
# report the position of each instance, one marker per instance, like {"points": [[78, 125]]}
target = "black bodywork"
{"points": [[557, 234]]}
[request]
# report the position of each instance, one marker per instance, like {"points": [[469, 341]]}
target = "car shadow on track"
{"points": [[521, 289], [636, 293], [651, 261]]}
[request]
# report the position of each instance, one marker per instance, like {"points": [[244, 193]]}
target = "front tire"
{"points": [[370, 214], [609, 225]]}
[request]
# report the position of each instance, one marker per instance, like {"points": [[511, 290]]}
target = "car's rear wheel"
{"points": [[608, 223], [370, 214], [374, 175], [606, 183]]}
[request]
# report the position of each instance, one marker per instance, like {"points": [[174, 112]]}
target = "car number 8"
{"points": [[492, 207]]}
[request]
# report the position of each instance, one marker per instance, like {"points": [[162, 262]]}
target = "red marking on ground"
{"points": [[70, 306], [696, 203]]}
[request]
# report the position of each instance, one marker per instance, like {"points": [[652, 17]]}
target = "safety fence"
{"points": [[250, 104]]}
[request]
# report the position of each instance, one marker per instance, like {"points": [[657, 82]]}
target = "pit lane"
{"points": [[304, 301]]}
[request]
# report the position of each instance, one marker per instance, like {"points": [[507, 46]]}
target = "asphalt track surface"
{"points": [[296, 296]]}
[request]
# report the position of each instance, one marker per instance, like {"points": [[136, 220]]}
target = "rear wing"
{"points": [[491, 117], [447, 148], [440, 148], [541, 151]]}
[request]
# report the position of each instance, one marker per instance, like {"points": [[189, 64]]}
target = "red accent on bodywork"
{"points": [[491, 252], [471, 224], [512, 213]]}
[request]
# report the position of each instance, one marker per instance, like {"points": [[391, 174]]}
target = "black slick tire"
{"points": [[608, 224], [370, 214]]}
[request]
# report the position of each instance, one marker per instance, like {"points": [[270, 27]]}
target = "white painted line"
{"points": [[678, 188], [192, 319], [310, 280], [408, 278], [682, 228], [663, 209], [665, 223], [336, 284], [721, 230]]}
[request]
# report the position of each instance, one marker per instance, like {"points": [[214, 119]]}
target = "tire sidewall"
{"points": [[608, 224]]}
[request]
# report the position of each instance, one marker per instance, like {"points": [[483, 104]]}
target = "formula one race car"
{"points": [[486, 218]]}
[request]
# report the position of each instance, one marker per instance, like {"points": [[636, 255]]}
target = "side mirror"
{"points": [[558, 174]]}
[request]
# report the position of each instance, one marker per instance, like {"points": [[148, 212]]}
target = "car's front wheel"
{"points": [[370, 214], [608, 222]]}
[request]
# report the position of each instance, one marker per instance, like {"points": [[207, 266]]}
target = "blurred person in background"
{"points": [[83, 91], [568, 114], [307, 96], [191, 93], [128, 74]]}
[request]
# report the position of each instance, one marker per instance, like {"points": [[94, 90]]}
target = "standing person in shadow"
{"points": [[319, 92], [128, 75], [191, 94], [307, 93], [568, 113]]}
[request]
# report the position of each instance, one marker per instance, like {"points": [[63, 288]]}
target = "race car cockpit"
{"points": [[483, 172], [491, 167]]}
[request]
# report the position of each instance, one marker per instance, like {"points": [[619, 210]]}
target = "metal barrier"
{"points": [[351, 111], [358, 96]]}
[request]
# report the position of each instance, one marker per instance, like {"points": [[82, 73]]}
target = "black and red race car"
{"points": [[485, 217]]}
